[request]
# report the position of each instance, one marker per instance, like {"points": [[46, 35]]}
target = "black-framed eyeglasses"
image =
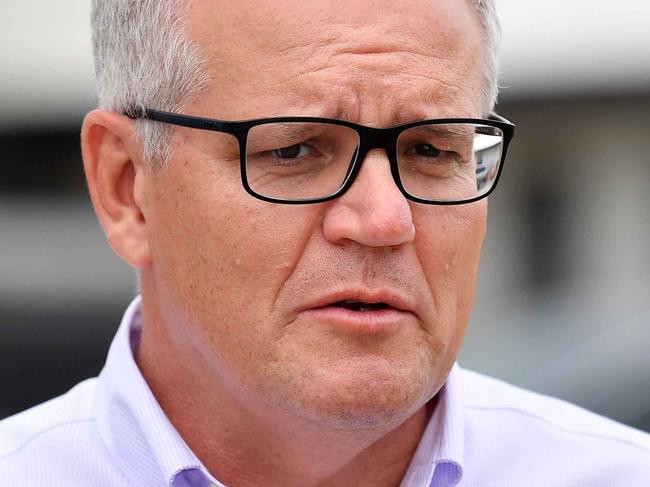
{"points": [[302, 160]]}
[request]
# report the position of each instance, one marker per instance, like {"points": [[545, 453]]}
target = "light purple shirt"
{"points": [[110, 431]]}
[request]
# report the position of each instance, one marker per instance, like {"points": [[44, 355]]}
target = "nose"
{"points": [[373, 212]]}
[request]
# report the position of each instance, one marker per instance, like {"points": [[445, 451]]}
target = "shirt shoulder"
{"points": [[484, 393], [56, 443], [531, 430], [18, 431]]}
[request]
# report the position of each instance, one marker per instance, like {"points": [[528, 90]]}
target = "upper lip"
{"points": [[390, 297]]}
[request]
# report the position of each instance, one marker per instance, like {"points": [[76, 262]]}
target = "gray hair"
{"points": [[488, 12], [144, 58]]}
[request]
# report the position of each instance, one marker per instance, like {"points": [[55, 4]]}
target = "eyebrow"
{"points": [[286, 131], [419, 113], [446, 130], [290, 128]]}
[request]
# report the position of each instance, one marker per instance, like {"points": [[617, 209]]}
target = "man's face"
{"points": [[250, 287]]}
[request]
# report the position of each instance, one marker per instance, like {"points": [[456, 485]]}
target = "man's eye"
{"points": [[291, 152], [427, 150]]}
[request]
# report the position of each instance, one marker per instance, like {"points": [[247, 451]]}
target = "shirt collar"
{"points": [[439, 457], [141, 439]]}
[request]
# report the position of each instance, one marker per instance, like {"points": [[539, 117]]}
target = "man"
{"points": [[305, 282]]}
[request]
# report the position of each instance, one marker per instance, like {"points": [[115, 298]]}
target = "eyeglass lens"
{"points": [[310, 160]]}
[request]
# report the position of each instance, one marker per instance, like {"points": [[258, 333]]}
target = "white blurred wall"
{"points": [[549, 47]]}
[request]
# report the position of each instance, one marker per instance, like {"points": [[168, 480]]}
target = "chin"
{"points": [[361, 394]]}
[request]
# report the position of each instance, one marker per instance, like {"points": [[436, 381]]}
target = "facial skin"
{"points": [[232, 345]]}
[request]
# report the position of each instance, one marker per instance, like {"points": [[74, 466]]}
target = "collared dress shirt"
{"points": [[110, 431]]}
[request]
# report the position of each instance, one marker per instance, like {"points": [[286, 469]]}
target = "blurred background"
{"points": [[563, 301]]}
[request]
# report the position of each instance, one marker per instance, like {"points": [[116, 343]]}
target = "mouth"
{"points": [[360, 306], [364, 301], [362, 311]]}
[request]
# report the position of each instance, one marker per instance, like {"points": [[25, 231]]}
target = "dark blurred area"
{"points": [[562, 304], [54, 332], [71, 348]]}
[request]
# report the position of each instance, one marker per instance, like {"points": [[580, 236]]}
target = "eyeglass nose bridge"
{"points": [[371, 138]]}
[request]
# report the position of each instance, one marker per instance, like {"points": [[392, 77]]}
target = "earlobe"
{"points": [[115, 173]]}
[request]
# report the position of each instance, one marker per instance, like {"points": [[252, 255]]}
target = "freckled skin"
{"points": [[224, 344]]}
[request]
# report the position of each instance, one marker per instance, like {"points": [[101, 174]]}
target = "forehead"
{"points": [[338, 54]]}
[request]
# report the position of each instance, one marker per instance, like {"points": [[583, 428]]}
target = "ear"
{"points": [[116, 174]]}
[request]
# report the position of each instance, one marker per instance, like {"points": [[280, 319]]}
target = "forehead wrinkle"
{"points": [[370, 41], [404, 100], [412, 94], [385, 66], [342, 85], [339, 66]]}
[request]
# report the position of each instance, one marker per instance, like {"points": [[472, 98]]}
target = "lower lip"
{"points": [[363, 322]]}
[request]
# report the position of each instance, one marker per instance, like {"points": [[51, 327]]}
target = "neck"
{"points": [[247, 442]]}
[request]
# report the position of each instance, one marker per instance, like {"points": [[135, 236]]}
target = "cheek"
{"points": [[448, 243], [220, 257]]}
